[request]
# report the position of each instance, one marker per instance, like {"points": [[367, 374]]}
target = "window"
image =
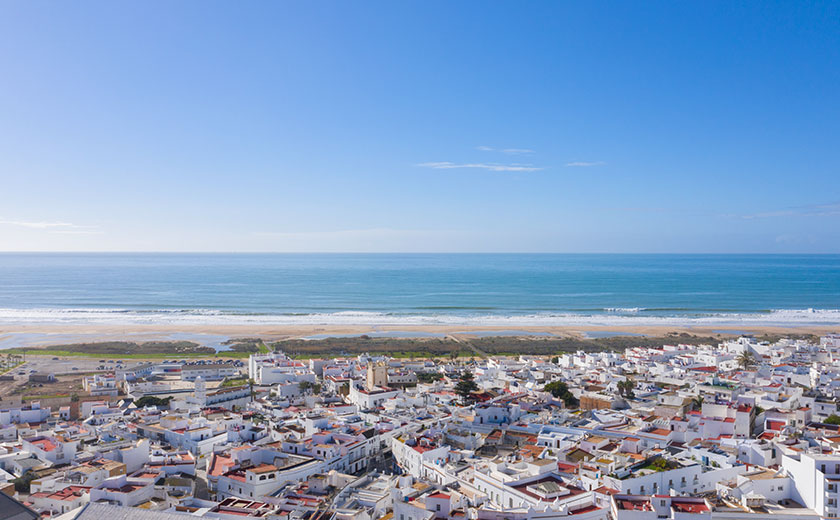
{"points": [[262, 477], [438, 507]]}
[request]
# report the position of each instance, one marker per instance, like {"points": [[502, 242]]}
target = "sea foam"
{"points": [[117, 316]]}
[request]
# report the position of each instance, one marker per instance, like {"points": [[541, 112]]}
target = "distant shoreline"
{"points": [[42, 335]]}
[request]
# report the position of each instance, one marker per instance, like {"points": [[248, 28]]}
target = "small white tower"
{"points": [[200, 391]]}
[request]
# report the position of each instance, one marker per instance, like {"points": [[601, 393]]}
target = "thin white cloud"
{"points": [[345, 233], [77, 232], [447, 165], [53, 227], [585, 164], [811, 210], [509, 151], [37, 225]]}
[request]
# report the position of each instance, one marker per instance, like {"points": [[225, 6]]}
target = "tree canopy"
{"points": [[560, 390], [150, 400], [625, 388], [466, 386], [832, 419], [746, 359]]}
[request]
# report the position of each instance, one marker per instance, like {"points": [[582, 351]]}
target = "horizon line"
{"points": [[164, 252]]}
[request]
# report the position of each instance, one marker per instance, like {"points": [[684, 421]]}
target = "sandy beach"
{"points": [[47, 335]]}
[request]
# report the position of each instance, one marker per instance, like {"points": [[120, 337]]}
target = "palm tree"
{"points": [[697, 403], [745, 359], [625, 388]]}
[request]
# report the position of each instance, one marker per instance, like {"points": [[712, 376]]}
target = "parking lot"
{"points": [[68, 366], [59, 367]]}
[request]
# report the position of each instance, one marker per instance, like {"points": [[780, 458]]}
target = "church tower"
{"points": [[377, 375]]}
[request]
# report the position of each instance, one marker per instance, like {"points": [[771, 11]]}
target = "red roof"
{"points": [[605, 490], [44, 444], [442, 496], [634, 504], [689, 507], [220, 465], [775, 425], [68, 493]]}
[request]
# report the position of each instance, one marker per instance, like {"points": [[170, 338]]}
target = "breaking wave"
{"points": [[609, 317]]}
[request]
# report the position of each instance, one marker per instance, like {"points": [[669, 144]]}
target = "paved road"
{"points": [[468, 344], [201, 490]]}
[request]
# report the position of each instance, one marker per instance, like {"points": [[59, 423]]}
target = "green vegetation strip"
{"points": [[421, 348], [239, 381], [45, 396]]}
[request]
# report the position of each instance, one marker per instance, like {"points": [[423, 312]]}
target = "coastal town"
{"points": [[740, 430]]}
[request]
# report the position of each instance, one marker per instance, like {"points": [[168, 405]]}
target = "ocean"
{"points": [[419, 289]]}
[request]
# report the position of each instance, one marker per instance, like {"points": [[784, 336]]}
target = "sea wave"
{"points": [[622, 317]]}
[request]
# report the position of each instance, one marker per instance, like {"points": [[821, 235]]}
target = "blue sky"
{"points": [[420, 126]]}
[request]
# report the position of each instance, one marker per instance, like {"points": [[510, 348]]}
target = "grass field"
{"points": [[239, 381]]}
